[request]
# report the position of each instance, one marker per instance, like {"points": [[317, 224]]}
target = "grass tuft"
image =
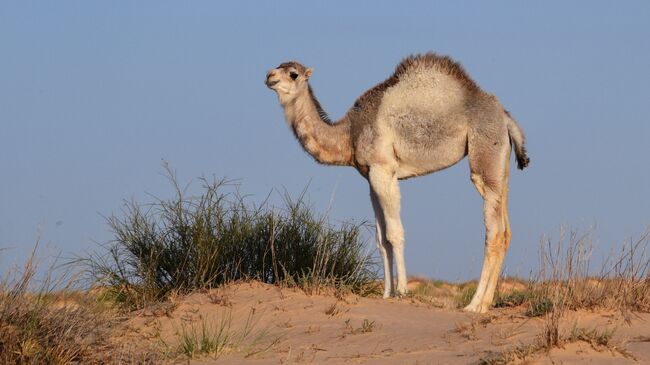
{"points": [[512, 299], [467, 291], [215, 338], [196, 242]]}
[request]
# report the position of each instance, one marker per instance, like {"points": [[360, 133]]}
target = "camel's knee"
{"points": [[395, 237], [495, 229], [496, 242], [382, 248], [379, 238], [507, 235], [477, 180]]}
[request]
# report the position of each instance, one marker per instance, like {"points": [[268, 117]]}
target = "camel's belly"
{"points": [[425, 162], [423, 144]]}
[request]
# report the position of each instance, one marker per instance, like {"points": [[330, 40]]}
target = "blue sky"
{"points": [[95, 95]]}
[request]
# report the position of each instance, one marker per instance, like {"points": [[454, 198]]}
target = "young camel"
{"points": [[427, 116]]}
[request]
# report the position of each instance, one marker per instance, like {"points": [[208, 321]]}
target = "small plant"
{"points": [[332, 310], [519, 352], [367, 326], [467, 330], [593, 336], [513, 299], [207, 339], [222, 300], [467, 291], [539, 306], [312, 329], [215, 338]]}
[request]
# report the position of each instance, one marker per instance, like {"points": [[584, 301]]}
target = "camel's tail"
{"points": [[518, 140]]}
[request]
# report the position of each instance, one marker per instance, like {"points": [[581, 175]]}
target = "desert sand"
{"points": [[290, 327]]}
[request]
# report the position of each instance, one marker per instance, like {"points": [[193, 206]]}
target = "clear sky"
{"points": [[94, 95]]}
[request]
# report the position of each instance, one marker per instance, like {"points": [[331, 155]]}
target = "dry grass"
{"points": [[442, 294], [623, 286], [599, 340], [565, 283], [49, 322]]}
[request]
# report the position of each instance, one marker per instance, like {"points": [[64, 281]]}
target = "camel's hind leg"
{"points": [[507, 234], [490, 176]]}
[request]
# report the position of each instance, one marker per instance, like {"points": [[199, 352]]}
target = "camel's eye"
{"points": [[293, 75]]}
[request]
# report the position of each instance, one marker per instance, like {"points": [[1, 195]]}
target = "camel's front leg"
{"points": [[386, 189], [385, 248]]}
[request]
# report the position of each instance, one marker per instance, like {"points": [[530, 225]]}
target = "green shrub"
{"points": [[513, 299], [539, 306], [188, 243]]}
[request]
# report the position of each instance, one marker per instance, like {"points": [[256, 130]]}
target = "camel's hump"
{"points": [[444, 64]]}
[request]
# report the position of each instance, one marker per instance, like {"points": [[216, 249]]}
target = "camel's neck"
{"points": [[328, 143]]}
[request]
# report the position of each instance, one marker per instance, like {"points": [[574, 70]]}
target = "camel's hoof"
{"points": [[477, 308]]}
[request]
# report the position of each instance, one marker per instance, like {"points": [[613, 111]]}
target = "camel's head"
{"points": [[288, 80]]}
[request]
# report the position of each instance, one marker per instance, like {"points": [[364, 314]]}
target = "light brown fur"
{"points": [[425, 117]]}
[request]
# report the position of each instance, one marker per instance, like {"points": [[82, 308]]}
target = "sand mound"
{"points": [[286, 326]]}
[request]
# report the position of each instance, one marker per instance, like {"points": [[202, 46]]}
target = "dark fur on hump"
{"points": [[444, 64]]}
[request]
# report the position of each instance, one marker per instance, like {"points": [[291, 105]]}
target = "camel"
{"points": [[428, 115]]}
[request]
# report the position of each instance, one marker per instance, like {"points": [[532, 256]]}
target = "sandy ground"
{"points": [[290, 327]]}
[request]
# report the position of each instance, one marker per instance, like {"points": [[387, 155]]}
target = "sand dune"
{"points": [[289, 327]]}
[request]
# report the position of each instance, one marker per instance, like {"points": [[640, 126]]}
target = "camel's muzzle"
{"points": [[270, 83]]}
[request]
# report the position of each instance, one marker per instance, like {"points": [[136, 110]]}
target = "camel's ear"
{"points": [[308, 73]]}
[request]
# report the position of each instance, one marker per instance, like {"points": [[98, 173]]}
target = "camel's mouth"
{"points": [[271, 83]]}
